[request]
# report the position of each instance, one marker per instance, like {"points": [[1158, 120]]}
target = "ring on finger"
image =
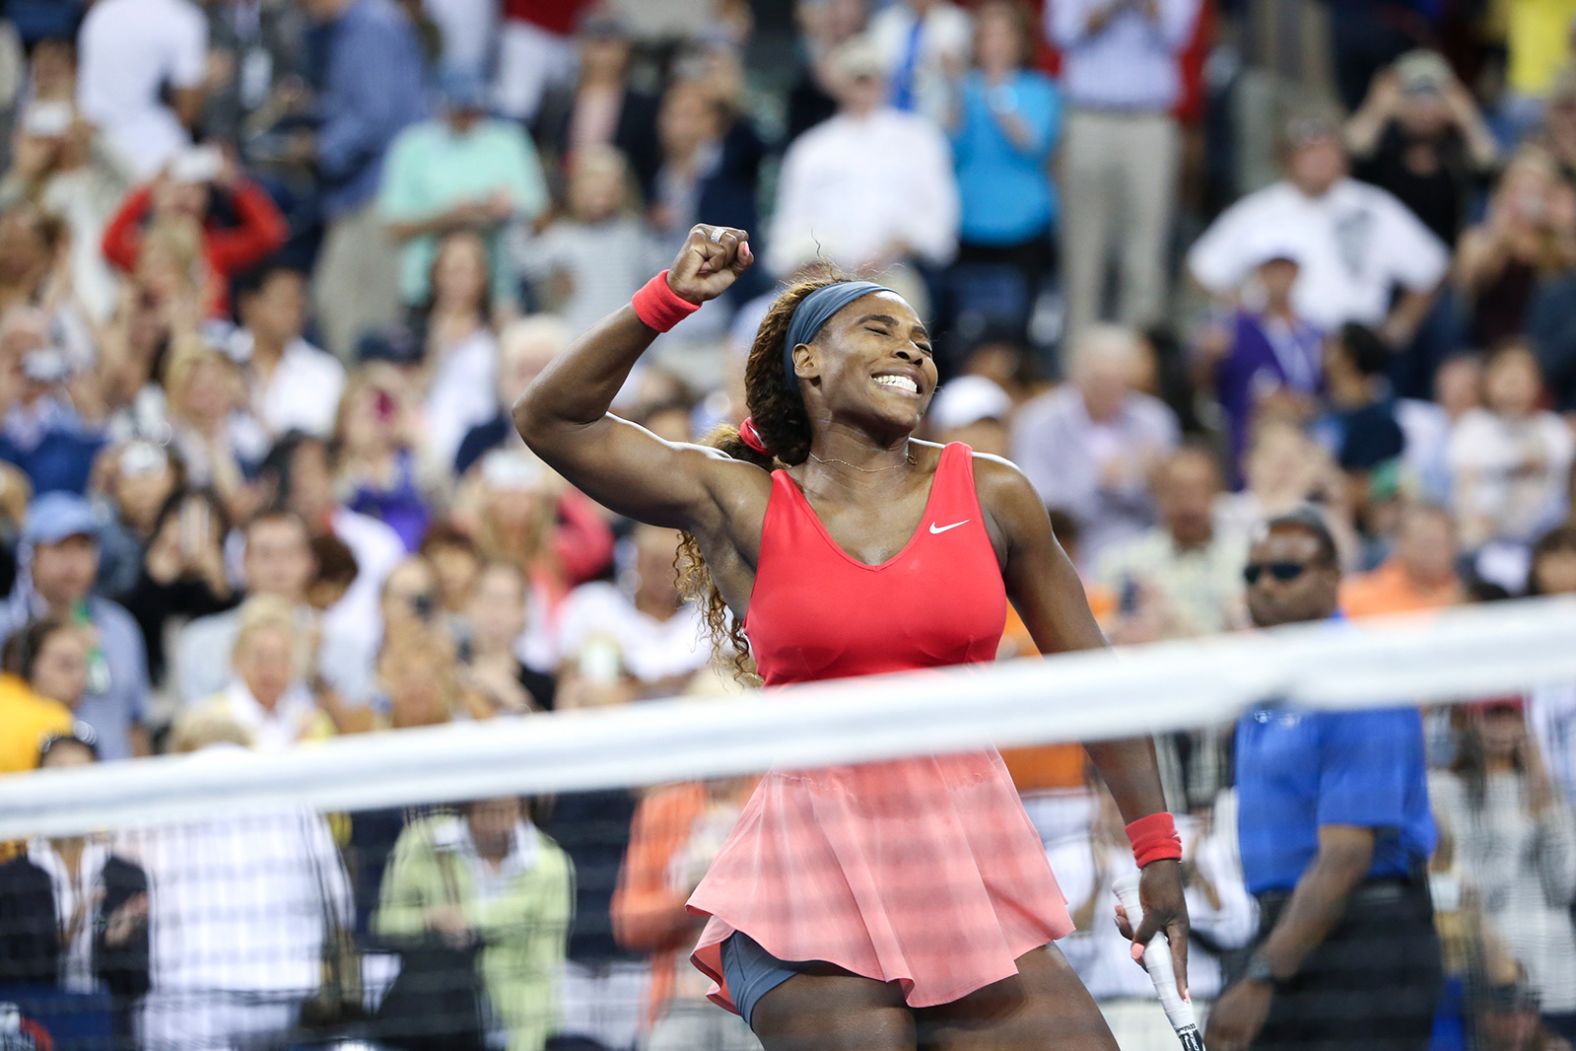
{"points": [[717, 232]]}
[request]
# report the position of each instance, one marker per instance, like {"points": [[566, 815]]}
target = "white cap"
{"points": [[969, 399], [1265, 246]]}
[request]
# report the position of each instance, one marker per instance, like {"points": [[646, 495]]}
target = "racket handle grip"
{"points": [[1157, 958]]}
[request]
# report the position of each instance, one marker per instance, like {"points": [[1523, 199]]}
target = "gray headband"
{"points": [[814, 311]]}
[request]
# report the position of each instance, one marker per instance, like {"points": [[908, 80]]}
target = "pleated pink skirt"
{"points": [[925, 872]]}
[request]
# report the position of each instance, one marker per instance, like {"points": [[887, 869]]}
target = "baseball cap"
{"points": [[461, 89], [53, 517], [969, 399], [1510, 702]]}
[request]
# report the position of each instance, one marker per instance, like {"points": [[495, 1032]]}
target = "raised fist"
{"points": [[712, 258]]}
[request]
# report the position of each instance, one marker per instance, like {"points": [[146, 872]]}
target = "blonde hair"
{"points": [[187, 352], [265, 613], [205, 726], [179, 238]]}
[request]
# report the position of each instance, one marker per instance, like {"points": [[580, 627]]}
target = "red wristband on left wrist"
{"points": [[659, 307], [1154, 838]]}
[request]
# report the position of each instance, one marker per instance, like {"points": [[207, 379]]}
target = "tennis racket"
{"points": [[1157, 961]]}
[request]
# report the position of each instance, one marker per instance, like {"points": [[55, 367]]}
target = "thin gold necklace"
{"points": [[907, 460]]}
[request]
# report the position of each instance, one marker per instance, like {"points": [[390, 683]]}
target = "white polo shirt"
{"points": [[1355, 244], [129, 50]]}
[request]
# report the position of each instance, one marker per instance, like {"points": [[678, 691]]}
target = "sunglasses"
{"points": [[1285, 572]]}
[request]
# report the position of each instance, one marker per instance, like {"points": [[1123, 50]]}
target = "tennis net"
{"points": [[520, 884]]}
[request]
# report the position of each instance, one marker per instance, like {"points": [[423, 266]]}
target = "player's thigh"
{"points": [[834, 1012], [1043, 1006]]}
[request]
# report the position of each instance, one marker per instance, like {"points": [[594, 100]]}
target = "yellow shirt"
{"points": [[1538, 34], [25, 720]]}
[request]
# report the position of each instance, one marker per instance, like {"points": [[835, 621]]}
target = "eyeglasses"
{"points": [[1285, 572]]}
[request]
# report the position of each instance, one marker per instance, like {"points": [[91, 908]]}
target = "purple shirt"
{"points": [[1267, 355]]}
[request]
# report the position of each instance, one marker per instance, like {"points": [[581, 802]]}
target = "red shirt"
{"points": [[228, 250], [558, 17]]}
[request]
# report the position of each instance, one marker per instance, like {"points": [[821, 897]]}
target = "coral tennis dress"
{"points": [[921, 871]]}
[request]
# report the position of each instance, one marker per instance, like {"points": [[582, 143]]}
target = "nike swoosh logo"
{"points": [[935, 529]]}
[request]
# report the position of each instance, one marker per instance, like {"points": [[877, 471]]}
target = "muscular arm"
{"points": [[1044, 587], [564, 417], [1319, 900]]}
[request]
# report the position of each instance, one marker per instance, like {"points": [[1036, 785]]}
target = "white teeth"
{"points": [[900, 382]]}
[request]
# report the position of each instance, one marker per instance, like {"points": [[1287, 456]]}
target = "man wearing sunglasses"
{"points": [[1335, 832]]}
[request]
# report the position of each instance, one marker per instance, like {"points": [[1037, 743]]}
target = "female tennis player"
{"points": [[884, 906]]}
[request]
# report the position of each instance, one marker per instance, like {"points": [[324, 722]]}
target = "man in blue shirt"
{"points": [[1335, 833], [374, 86]]}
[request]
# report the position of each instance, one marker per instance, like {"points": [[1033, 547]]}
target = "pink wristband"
{"points": [[658, 306], [1154, 838]]}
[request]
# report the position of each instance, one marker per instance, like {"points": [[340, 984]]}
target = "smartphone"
{"points": [[198, 164], [48, 120]]}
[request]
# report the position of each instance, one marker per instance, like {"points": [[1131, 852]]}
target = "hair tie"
{"points": [[752, 437]]}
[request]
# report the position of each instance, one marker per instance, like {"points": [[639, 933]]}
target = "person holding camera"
{"points": [[201, 184]]}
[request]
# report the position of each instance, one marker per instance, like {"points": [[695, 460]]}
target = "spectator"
{"points": [[584, 264], [1004, 129], [133, 483], [1420, 574], [536, 53], [276, 562], [525, 517], [1527, 241], [1361, 429], [267, 696], [1510, 459], [376, 437], [1420, 136], [601, 108], [923, 45], [219, 442], [824, 25], [871, 188], [645, 632], [1282, 470], [1193, 570], [461, 171], [495, 624], [525, 347], [372, 90], [1267, 357], [70, 168], [183, 573], [1219, 909], [1559, 122], [1517, 840], [457, 565], [1091, 445], [461, 350], [234, 959], [302, 467], [711, 158], [416, 677], [293, 385], [1335, 833], [676, 834], [26, 716], [42, 433], [74, 909], [133, 51], [256, 61], [1551, 711], [1355, 242], [57, 581], [972, 410], [488, 879], [187, 192], [1123, 151], [30, 241]]}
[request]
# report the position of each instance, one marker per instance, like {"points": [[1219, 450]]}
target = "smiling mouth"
{"points": [[902, 383]]}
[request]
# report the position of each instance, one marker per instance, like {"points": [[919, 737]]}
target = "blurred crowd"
{"points": [[273, 271]]}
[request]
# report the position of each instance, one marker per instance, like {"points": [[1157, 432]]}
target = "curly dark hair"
{"points": [[777, 408]]}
